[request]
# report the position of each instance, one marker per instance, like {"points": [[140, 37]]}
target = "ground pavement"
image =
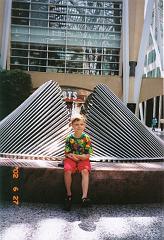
{"points": [[100, 222]]}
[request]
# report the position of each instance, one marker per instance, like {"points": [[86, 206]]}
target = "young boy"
{"points": [[77, 152]]}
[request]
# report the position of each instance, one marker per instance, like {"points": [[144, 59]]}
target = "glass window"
{"points": [[19, 60], [39, 15], [111, 58], [39, 31], [57, 17], [71, 64], [113, 66], [149, 74], [65, 36], [75, 70], [37, 69], [56, 55], [21, 52], [38, 47], [38, 54], [151, 57], [41, 1], [37, 62], [20, 13], [21, 5], [41, 23], [39, 11], [56, 63], [39, 7], [24, 68], [20, 29], [154, 73], [20, 21], [158, 74], [71, 56], [20, 37], [19, 45], [38, 39], [56, 69]]}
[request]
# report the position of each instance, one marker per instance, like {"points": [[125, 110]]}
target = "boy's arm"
{"points": [[83, 156], [77, 157], [68, 148], [72, 156]]}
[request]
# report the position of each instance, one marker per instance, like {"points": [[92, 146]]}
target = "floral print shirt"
{"points": [[78, 146]]}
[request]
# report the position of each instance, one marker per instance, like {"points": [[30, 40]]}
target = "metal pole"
{"points": [[125, 34]]}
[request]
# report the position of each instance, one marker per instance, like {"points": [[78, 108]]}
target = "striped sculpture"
{"points": [[116, 132], [38, 127]]}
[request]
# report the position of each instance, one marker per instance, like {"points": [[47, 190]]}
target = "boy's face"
{"points": [[78, 126]]}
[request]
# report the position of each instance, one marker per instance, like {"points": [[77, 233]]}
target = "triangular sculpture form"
{"points": [[38, 126], [116, 132]]}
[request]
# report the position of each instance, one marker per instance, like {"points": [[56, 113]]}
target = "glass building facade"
{"points": [[153, 66], [68, 36]]}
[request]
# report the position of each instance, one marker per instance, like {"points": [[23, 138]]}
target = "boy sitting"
{"points": [[77, 152]]}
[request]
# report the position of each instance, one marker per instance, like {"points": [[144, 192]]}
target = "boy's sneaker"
{"points": [[86, 202], [68, 203]]}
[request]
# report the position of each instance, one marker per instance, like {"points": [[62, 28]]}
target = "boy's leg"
{"points": [[85, 167], [69, 168], [68, 182], [68, 199], [85, 182]]}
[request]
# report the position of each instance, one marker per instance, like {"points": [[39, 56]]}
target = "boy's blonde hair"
{"points": [[77, 117]]}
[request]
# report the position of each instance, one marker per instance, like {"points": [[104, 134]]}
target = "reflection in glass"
{"points": [[67, 36], [40, 62], [21, 67], [21, 52], [19, 60], [38, 54]]}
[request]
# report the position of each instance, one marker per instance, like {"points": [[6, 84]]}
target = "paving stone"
{"points": [[100, 222]]}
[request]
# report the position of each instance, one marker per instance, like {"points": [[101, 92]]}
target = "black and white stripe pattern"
{"points": [[116, 132], [38, 126]]}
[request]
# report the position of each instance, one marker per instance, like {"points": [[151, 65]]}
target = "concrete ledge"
{"points": [[109, 182]]}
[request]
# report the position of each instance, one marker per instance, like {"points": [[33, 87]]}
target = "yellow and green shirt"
{"points": [[78, 146]]}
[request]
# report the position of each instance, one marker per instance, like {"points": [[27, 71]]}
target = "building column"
{"points": [[125, 38], [159, 111], [145, 109], [132, 65], [141, 112], [154, 107], [142, 53], [5, 32], [136, 20]]}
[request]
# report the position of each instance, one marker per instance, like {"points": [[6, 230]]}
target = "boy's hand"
{"points": [[83, 157], [73, 157]]}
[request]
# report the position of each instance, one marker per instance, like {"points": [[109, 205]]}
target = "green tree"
{"points": [[15, 87]]}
